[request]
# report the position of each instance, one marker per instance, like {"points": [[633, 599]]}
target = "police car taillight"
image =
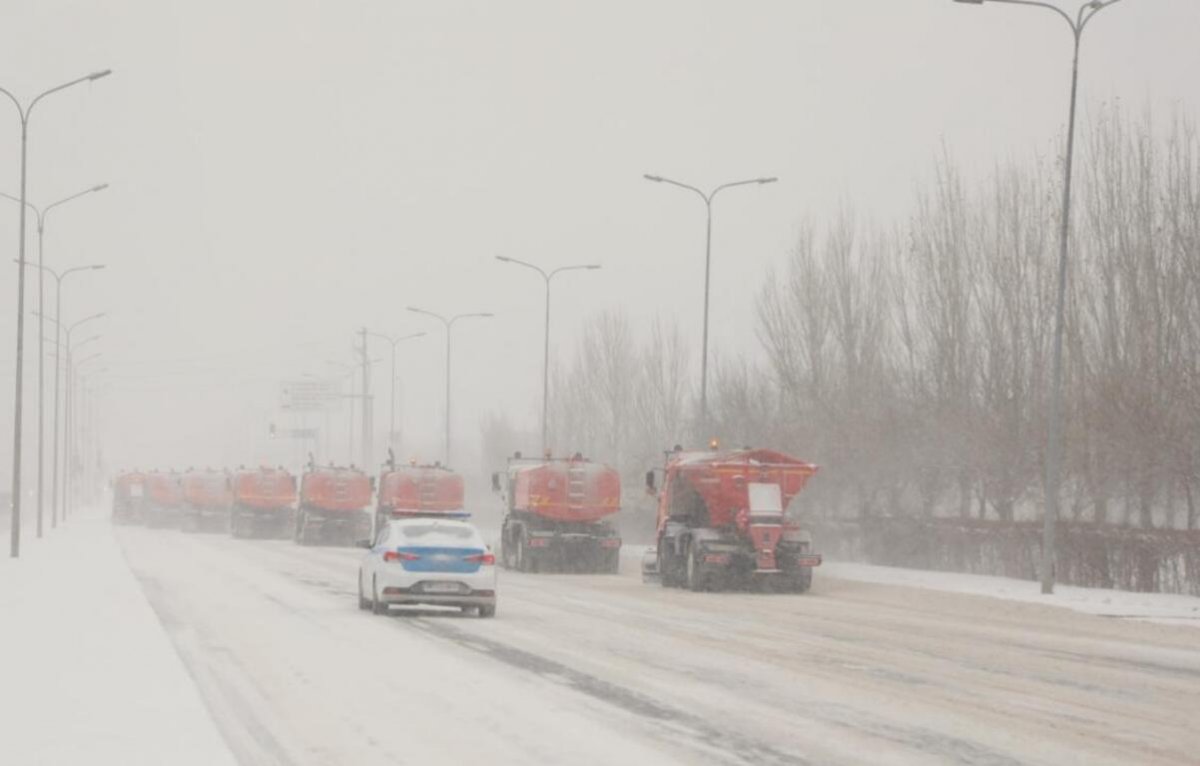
{"points": [[486, 559], [389, 556]]}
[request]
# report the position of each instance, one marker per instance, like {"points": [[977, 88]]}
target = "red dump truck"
{"points": [[163, 501], [333, 506], [263, 502], [723, 522], [418, 490], [129, 494], [206, 500], [556, 515]]}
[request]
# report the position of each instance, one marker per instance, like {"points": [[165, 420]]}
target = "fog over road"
{"points": [[604, 669]]}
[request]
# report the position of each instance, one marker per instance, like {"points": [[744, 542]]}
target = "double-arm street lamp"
{"points": [[1077, 24], [448, 322], [41, 214], [58, 280], [393, 341], [708, 202], [24, 112], [547, 276]]}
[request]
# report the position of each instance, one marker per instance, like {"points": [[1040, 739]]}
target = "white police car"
{"points": [[431, 561]]}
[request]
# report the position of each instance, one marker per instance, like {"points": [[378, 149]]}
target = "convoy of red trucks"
{"points": [[557, 514], [725, 519]]}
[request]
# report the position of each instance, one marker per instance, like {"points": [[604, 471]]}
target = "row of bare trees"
{"points": [[912, 362]]}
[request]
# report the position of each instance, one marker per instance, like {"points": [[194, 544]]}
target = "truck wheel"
{"points": [[801, 581], [519, 562], [666, 567], [613, 563], [695, 576], [363, 604], [377, 606]]}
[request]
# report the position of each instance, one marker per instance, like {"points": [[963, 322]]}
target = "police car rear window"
{"points": [[415, 531]]}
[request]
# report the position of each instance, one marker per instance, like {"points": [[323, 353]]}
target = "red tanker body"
{"points": [[556, 515], [163, 502], [263, 502], [722, 520], [333, 504], [418, 490], [129, 495], [206, 500]]}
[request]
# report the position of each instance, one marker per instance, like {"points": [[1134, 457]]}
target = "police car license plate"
{"points": [[442, 587]]}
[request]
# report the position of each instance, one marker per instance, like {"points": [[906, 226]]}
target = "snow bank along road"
{"points": [[604, 669]]}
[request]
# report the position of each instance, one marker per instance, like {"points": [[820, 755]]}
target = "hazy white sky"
{"points": [[285, 171]]}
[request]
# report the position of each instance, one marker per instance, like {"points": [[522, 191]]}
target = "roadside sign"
{"points": [[308, 394]]}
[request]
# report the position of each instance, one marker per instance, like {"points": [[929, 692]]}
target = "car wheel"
{"points": [[362, 600], [487, 611], [377, 606]]}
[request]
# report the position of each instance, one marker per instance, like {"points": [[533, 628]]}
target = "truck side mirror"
{"points": [[651, 487], [495, 481]]}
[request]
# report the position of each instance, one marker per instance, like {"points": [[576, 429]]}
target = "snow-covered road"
{"points": [[603, 669]]}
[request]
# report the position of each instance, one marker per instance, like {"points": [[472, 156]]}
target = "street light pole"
{"points": [[547, 276], [24, 113], [1086, 13], [708, 201], [58, 279], [41, 214], [393, 341], [449, 324]]}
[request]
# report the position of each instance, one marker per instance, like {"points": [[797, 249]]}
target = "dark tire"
{"points": [[694, 577], [799, 581], [519, 561], [505, 551], [363, 604], [613, 562], [487, 611], [666, 566], [377, 606]]}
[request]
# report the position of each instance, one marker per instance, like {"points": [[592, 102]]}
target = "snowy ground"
{"points": [[604, 669], [87, 673], [1166, 608]]}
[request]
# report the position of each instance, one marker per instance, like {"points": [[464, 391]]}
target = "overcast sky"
{"points": [[286, 171]]}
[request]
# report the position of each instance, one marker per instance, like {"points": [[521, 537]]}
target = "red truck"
{"points": [[129, 494], [723, 521], [163, 501], [418, 490], [333, 505], [263, 502], [556, 515], [206, 500]]}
